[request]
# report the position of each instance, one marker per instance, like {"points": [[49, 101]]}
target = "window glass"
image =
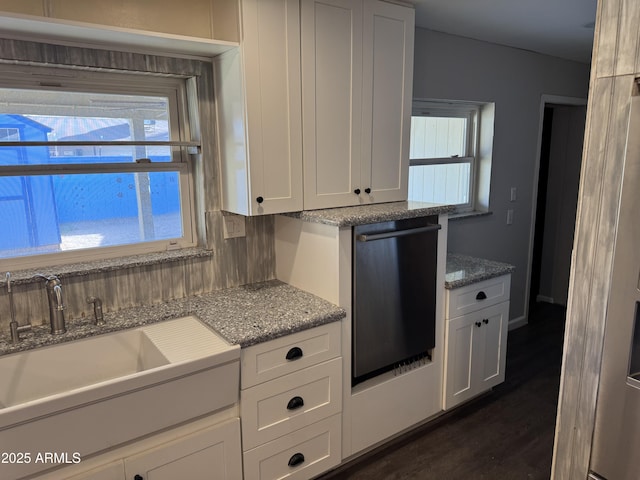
{"points": [[447, 183], [438, 137], [442, 153], [83, 169]]}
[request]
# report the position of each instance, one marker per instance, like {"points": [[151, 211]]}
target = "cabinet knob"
{"points": [[478, 324], [296, 459], [294, 354], [259, 199], [481, 296], [357, 191], [367, 190], [485, 321], [295, 403], [138, 477]]}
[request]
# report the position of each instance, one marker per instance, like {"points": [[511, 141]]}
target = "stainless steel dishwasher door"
{"points": [[394, 293]]}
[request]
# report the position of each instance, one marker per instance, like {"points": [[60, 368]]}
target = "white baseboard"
{"points": [[517, 322]]}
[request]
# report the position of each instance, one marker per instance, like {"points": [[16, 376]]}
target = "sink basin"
{"points": [[90, 395], [35, 374]]}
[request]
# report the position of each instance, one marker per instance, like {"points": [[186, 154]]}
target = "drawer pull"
{"points": [[485, 321], [296, 459], [478, 324], [481, 296], [294, 354], [295, 403]]}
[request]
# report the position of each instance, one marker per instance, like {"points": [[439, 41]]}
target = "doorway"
{"points": [[560, 158]]}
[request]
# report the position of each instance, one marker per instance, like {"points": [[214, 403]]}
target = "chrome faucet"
{"points": [[13, 325], [53, 287]]}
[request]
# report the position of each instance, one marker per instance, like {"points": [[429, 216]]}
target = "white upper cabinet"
{"points": [[357, 69], [259, 111]]}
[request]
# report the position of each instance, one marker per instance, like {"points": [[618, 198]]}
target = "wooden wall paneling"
{"points": [[260, 248], [4, 306], [94, 286], [73, 296], [173, 277], [229, 256], [582, 268], [194, 284], [31, 303], [605, 39], [629, 25], [590, 279]]}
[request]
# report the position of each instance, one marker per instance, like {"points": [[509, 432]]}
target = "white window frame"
{"points": [[450, 109], [132, 83]]}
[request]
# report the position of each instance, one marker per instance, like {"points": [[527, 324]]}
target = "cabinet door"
{"points": [[271, 49], [460, 341], [495, 323], [476, 353], [331, 101], [109, 471], [259, 112], [388, 32], [210, 454]]}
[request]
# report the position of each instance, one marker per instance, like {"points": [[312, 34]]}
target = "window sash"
{"points": [[453, 110], [126, 83]]}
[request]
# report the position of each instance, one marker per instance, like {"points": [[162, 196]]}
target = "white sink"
{"points": [[36, 374], [89, 395]]}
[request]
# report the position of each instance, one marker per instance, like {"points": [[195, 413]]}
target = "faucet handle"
{"points": [[97, 310]]}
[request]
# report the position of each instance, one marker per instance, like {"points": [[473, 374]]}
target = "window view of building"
{"points": [[82, 170]]}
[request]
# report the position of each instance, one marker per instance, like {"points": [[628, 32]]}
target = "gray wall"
{"points": [[458, 68]]}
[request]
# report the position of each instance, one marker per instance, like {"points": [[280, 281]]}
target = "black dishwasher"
{"points": [[394, 294]]}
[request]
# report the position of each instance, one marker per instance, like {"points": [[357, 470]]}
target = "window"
{"points": [[443, 153], [92, 165]]}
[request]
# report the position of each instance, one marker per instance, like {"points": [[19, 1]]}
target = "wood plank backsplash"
{"points": [[233, 262], [615, 69]]}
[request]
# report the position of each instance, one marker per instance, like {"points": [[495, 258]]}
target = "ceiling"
{"points": [[561, 28]]}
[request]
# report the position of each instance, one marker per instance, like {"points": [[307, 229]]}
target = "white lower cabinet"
{"points": [[198, 452], [110, 471], [476, 343], [210, 454], [292, 419]]}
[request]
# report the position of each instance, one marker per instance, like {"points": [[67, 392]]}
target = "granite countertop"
{"points": [[244, 315], [375, 213], [464, 270]]}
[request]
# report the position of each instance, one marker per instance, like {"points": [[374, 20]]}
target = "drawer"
{"points": [[300, 455], [287, 354], [280, 406], [470, 298]]}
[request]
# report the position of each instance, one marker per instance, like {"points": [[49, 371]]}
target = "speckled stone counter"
{"points": [[375, 213], [464, 270], [243, 315]]}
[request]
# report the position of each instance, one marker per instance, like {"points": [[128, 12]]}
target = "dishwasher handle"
{"points": [[397, 233]]}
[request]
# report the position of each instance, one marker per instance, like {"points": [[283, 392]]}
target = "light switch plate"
{"points": [[234, 226]]}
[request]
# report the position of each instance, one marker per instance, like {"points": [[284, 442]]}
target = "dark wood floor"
{"points": [[506, 434]]}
